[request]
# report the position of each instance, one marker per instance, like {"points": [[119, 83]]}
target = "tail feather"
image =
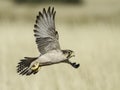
{"points": [[23, 66]]}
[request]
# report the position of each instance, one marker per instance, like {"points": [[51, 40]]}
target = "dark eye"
{"points": [[33, 66], [69, 53]]}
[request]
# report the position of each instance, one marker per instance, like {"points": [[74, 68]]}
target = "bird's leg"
{"points": [[73, 64]]}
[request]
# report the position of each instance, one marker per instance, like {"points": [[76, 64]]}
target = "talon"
{"points": [[75, 65], [36, 71]]}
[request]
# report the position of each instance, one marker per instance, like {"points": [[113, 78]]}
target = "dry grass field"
{"points": [[91, 30]]}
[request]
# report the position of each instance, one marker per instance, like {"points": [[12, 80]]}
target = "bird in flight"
{"points": [[47, 40]]}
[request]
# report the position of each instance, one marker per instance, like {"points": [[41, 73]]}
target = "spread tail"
{"points": [[23, 66]]}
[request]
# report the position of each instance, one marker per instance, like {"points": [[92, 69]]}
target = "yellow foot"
{"points": [[35, 66]]}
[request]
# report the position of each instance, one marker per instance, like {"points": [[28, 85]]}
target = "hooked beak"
{"points": [[72, 54]]}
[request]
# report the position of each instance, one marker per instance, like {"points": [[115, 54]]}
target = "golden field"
{"points": [[91, 30]]}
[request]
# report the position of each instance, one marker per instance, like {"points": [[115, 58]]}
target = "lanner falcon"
{"points": [[47, 40]]}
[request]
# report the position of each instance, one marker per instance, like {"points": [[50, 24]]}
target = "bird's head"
{"points": [[68, 53]]}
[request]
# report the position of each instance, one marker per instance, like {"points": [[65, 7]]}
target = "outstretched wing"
{"points": [[45, 33]]}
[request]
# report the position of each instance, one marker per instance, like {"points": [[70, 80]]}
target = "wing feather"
{"points": [[44, 31]]}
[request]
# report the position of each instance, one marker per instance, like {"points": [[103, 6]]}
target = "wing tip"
{"points": [[36, 26], [50, 11]]}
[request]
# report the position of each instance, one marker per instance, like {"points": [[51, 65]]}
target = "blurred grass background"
{"points": [[91, 29]]}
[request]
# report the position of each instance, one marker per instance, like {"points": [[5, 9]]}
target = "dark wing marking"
{"points": [[45, 33]]}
